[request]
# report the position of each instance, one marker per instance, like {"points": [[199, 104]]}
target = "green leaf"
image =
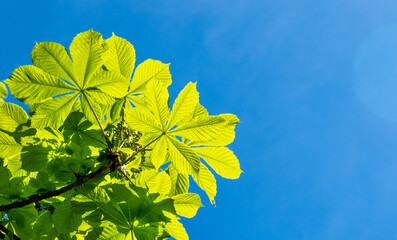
{"points": [[111, 83], [22, 220], [202, 128], [156, 97], [142, 121], [146, 232], [8, 146], [117, 109], [88, 51], [43, 225], [3, 90], [184, 105], [32, 85], [53, 112], [65, 219], [176, 230], [206, 181], [222, 160], [159, 152], [11, 116], [225, 137], [138, 101], [149, 70], [86, 101], [34, 158], [184, 159], [180, 181], [121, 56], [187, 204], [54, 59], [161, 183]]}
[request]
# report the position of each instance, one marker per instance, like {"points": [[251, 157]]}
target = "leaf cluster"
{"points": [[101, 154]]}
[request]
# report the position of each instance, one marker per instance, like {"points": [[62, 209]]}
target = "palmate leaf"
{"points": [[34, 84]]}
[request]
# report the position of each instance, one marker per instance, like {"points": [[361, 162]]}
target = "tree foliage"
{"points": [[101, 156]]}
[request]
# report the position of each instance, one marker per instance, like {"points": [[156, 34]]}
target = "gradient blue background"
{"points": [[313, 82]]}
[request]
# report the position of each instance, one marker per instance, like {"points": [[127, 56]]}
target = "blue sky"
{"points": [[314, 84]]}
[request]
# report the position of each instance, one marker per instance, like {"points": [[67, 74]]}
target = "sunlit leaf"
{"points": [[88, 51], [11, 116], [121, 56], [32, 85], [184, 105], [149, 70], [221, 159], [54, 59]]}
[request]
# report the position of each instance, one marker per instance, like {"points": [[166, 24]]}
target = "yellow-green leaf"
{"points": [[88, 51], [187, 204], [111, 83], [53, 112], [8, 146], [54, 59], [221, 159], [225, 137], [3, 90], [184, 105], [121, 56], [202, 128], [206, 181], [184, 159], [86, 103], [159, 152], [176, 230], [149, 70], [31, 85], [180, 181], [142, 121], [156, 97], [11, 116]]}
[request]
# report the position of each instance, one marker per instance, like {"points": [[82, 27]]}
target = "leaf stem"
{"points": [[97, 119]]}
